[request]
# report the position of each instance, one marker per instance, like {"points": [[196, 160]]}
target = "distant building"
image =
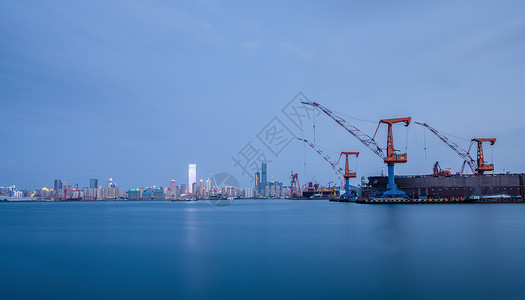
{"points": [[183, 189], [192, 178], [207, 188], [258, 182], [58, 184], [158, 195], [147, 196], [173, 186], [133, 194], [264, 174], [93, 183], [249, 193], [111, 183]]}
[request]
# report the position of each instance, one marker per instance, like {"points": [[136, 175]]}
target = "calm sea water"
{"points": [[261, 249]]}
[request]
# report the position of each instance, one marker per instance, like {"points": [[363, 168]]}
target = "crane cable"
{"points": [[425, 141], [313, 110]]}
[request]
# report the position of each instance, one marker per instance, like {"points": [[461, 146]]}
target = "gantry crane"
{"points": [[391, 158], [481, 165], [348, 174], [476, 167], [337, 169]]}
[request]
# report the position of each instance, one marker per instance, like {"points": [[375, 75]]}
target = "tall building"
{"points": [[264, 180], [192, 177], [257, 181], [173, 186], [93, 183], [207, 189], [58, 184], [264, 173], [183, 189], [111, 183]]}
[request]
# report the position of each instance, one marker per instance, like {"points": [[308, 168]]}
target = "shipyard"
{"points": [[472, 184]]}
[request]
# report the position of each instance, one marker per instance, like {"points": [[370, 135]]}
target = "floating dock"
{"points": [[453, 187]]}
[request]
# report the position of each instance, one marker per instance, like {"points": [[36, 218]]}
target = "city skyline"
{"points": [[98, 102]]}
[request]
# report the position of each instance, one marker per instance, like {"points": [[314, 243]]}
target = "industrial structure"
{"points": [[479, 166], [391, 157], [440, 186], [348, 194], [346, 174]]}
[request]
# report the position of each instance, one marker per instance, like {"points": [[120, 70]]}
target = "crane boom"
{"points": [[337, 169], [460, 151], [361, 136]]}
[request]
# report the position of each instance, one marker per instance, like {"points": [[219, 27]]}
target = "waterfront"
{"points": [[260, 249]]}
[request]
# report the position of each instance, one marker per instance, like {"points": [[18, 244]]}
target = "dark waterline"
{"points": [[261, 249]]}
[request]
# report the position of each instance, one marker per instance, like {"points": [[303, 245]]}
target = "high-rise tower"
{"points": [[58, 184], [192, 177], [264, 177], [257, 181], [93, 183]]}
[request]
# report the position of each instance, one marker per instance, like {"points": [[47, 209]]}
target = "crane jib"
{"points": [[365, 139]]}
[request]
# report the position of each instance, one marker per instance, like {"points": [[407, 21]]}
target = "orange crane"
{"points": [[481, 165], [476, 167], [368, 141], [392, 157], [348, 174]]}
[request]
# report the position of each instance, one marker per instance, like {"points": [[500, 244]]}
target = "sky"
{"points": [[137, 90]]}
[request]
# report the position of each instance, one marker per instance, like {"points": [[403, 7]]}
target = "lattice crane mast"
{"points": [[464, 154], [337, 169], [361, 136]]}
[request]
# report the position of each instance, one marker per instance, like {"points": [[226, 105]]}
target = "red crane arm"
{"points": [[361, 136]]}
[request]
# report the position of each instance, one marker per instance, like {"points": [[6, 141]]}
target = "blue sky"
{"points": [[137, 90]]}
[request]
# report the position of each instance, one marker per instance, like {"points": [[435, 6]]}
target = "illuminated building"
{"points": [[192, 178]]}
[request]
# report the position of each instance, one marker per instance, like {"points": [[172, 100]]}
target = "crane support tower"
{"points": [[392, 157], [348, 175], [481, 166]]}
